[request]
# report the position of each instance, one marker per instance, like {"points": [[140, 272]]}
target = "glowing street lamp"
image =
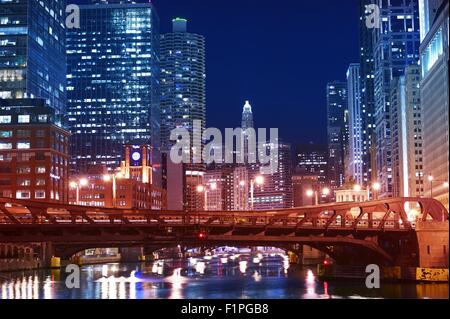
{"points": [[259, 180], [82, 182], [203, 189], [376, 188], [314, 193], [107, 178]]}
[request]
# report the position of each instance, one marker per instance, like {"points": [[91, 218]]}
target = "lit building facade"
{"points": [[183, 81], [337, 132], [183, 100], [130, 187], [355, 164], [32, 53], [311, 159], [407, 128], [434, 91], [276, 190], [113, 83], [395, 46], [34, 152], [367, 75]]}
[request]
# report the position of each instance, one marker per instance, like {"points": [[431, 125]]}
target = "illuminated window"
{"points": [[24, 119]]}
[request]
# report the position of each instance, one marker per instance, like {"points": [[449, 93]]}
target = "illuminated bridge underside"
{"points": [[378, 231]]}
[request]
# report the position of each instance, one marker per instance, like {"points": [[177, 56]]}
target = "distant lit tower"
{"points": [[247, 116], [246, 124], [367, 76], [113, 83], [183, 99], [396, 45], [337, 132], [355, 164]]}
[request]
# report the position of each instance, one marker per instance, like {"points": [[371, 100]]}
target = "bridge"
{"points": [[397, 231]]}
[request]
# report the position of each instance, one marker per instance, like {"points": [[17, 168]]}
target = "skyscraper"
{"points": [[367, 93], [32, 52], [396, 45], [355, 164], [183, 99], [183, 85], [247, 125], [434, 91], [113, 86], [33, 142], [337, 131], [407, 128]]}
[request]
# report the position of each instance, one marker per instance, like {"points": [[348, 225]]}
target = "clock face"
{"points": [[136, 156]]}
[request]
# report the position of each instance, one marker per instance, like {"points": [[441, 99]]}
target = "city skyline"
{"points": [[334, 162], [253, 21]]}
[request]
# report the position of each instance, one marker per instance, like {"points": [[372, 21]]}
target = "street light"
{"points": [[204, 189], [259, 180], [357, 187], [113, 177], [431, 180], [376, 187], [310, 193], [82, 182]]}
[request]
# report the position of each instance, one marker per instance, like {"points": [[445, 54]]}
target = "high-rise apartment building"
{"points": [[113, 83], [434, 91], [183, 81], [337, 131], [183, 100], [395, 46], [407, 128]]}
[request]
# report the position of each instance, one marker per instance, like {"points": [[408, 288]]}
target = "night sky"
{"points": [[279, 54]]}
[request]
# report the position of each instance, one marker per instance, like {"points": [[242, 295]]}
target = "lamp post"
{"points": [[431, 180], [77, 185], [113, 177], [259, 180], [310, 193], [376, 187], [204, 189]]}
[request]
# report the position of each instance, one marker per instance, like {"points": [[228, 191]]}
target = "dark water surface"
{"points": [[231, 276]]}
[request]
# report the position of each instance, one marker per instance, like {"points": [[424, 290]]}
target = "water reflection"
{"points": [[216, 276]]}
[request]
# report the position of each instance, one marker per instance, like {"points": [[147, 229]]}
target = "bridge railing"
{"points": [[382, 214]]}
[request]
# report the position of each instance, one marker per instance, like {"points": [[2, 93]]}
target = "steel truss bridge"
{"points": [[382, 231]]}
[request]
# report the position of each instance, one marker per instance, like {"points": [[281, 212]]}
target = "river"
{"points": [[230, 276]]}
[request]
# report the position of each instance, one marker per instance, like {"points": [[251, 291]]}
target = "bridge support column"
{"points": [[131, 254], [47, 252], [432, 239]]}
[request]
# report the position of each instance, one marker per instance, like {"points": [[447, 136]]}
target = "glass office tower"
{"points": [[337, 132], [32, 51], [113, 87], [396, 45]]}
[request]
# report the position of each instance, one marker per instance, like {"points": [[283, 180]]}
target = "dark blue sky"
{"points": [[279, 54]]}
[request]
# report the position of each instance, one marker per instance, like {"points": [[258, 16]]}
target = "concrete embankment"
{"points": [[386, 273]]}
